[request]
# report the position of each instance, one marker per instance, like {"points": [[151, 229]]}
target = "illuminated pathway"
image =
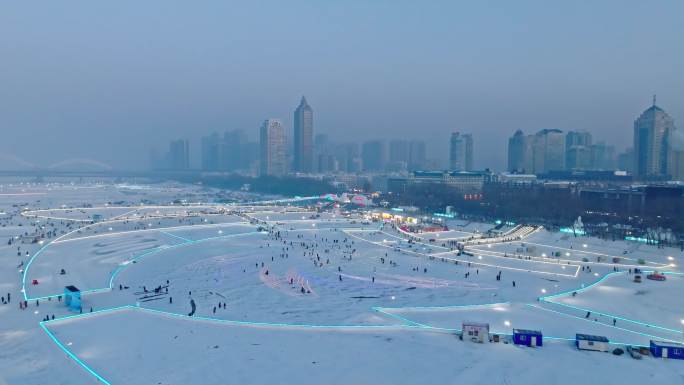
{"points": [[405, 316]]}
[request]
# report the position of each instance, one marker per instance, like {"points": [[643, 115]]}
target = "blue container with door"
{"points": [[527, 337], [665, 349], [72, 297]]}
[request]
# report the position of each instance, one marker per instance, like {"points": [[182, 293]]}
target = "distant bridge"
{"points": [[36, 173], [80, 164]]}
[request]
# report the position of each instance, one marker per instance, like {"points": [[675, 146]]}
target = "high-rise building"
{"points": [[348, 156], [225, 153], [516, 152], [417, 155], [461, 152], [398, 155], [398, 151], [373, 155], [179, 155], [602, 156], [233, 153], [548, 151], [250, 156], [158, 161], [578, 150], [676, 158], [578, 158], [211, 152], [625, 160], [303, 137], [272, 141], [321, 140], [323, 148], [327, 163], [577, 138], [652, 132]]}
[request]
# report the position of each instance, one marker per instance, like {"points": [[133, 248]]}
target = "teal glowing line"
{"points": [[158, 249], [610, 342], [26, 268], [579, 290], [664, 272], [607, 325], [407, 323], [89, 291], [34, 256], [557, 338], [401, 318], [547, 299], [411, 325], [120, 267], [270, 324], [618, 317], [447, 307], [175, 236], [73, 356], [89, 314], [626, 344]]}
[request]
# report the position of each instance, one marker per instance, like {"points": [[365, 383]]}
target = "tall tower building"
{"points": [[349, 153], [461, 152], [373, 155], [273, 159], [652, 132], [398, 155], [548, 151], [303, 137], [516, 152], [211, 152], [234, 153], [417, 155], [578, 150], [398, 151], [179, 155]]}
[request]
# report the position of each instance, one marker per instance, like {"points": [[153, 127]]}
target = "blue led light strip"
{"points": [[548, 299], [119, 268], [175, 236], [587, 320]]}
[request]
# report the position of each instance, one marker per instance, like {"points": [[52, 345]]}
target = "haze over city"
{"points": [[109, 82], [379, 192]]}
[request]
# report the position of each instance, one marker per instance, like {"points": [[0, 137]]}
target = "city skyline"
{"points": [[81, 91], [262, 192], [547, 150], [196, 151]]}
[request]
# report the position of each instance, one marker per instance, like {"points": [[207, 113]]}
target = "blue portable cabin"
{"points": [[665, 349], [72, 297], [527, 337], [590, 342]]}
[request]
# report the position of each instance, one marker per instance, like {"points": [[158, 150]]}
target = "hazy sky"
{"points": [[108, 80]]}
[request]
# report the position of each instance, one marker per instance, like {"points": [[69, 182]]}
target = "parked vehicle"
{"points": [[634, 353]]}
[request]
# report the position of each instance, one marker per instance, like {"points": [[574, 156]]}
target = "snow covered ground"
{"points": [[287, 295]]}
